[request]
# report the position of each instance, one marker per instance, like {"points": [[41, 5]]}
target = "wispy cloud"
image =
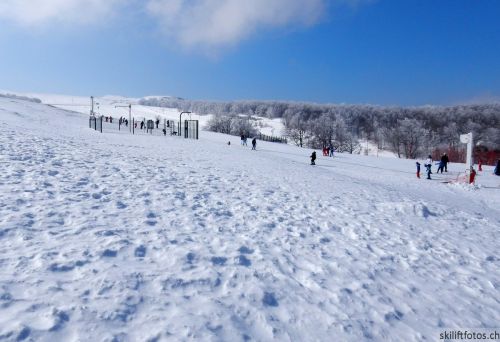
{"points": [[193, 24], [40, 12], [219, 23]]}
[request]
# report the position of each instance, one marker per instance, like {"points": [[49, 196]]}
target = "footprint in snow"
{"points": [[269, 299], [23, 334], [324, 240], [393, 316], [190, 257], [140, 251], [219, 261], [245, 250], [243, 261], [60, 319], [120, 205], [151, 223], [108, 253]]}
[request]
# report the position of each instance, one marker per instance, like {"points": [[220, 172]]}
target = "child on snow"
{"points": [[428, 166], [441, 166], [313, 158]]}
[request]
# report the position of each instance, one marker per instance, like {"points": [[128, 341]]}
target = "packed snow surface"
{"points": [[120, 237]]}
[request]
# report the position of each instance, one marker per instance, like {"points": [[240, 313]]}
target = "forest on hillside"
{"points": [[410, 132]]}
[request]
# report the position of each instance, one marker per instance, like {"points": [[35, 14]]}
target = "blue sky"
{"points": [[388, 52]]}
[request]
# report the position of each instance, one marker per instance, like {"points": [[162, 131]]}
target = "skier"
{"points": [[110, 119], [428, 166], [254, 143], [142, 124], [418, 170], [245, 141], [242, 140], [157, 123], [331, 150], [313, 158], [445, 160]]}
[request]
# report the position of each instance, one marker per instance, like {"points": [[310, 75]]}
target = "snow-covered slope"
{"points": [[116, 106], [118, 237]]}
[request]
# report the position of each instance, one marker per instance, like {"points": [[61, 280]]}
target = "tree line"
{"points": [[410, 132]]}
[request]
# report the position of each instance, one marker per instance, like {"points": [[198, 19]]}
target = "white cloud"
{"points": [[39, 12], [217, 23], [204, 24]]}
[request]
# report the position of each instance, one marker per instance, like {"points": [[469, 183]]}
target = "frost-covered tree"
{"points": [[412, 136], [382, 125]]}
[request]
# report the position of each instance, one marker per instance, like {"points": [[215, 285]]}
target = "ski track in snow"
{"points": [[111, 237]]}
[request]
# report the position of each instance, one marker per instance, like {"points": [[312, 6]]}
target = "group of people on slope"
{"points": [[244, 142], [328, 150], [122, 121], [443, 165]]}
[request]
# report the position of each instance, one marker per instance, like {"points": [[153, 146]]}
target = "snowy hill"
{"points": [[114, 237], [116, 106]]}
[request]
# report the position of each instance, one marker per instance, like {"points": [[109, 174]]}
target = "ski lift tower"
{"points": [[468, 139], [180, 122], [129, 106]]}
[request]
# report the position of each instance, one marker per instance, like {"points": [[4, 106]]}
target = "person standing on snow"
{"points": [[242, 139], [331, 150], [418, 170], [254, 144], [313, 158], [428, 166], [445, 160], [441, 165]]}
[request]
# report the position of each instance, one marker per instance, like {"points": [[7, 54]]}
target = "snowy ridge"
{"points": [[117, 237]]}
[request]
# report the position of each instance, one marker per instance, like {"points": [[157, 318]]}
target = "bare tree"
{"points": [[412, 135]]}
